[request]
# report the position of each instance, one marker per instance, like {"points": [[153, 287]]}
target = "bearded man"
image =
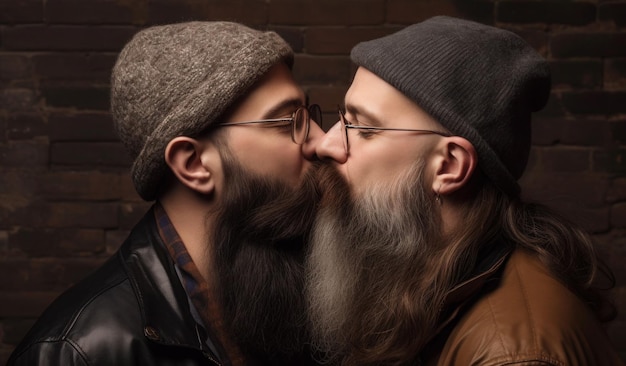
{"points": [[222, 140], [423, 252]]}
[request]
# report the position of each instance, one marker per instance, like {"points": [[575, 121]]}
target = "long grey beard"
{"points": [[361, 252]]}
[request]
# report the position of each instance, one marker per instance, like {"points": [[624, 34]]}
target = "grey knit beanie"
{"points": [[478, 81], [177, 79]]}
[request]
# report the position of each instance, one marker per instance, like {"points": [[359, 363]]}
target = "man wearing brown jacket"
{"points": [[424, 253]]}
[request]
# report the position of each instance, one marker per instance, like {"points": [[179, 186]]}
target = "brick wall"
{"points": [[66, 201]]}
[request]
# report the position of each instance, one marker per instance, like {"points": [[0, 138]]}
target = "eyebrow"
{"points": [[281, 107], [362, 111]]}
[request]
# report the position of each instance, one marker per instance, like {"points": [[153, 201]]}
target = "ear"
{"points": [[455, 162], [192, 167]]}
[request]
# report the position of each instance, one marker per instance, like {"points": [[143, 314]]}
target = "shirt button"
{"points": [[151, 333]]}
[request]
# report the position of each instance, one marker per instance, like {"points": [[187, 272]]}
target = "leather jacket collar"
{"points": [[163, 302]]}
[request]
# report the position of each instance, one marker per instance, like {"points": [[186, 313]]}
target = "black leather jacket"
{"points": [[132, 311]]}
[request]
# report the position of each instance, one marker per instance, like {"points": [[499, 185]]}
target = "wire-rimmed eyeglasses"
{"points": [[345, 125], [300, 122]]}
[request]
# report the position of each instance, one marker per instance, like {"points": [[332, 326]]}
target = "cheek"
{"points": [[270, 155], [377, 163]]}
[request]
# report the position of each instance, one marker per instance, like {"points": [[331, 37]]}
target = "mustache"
{"points": [[335, 191], [271, 212], [288, 214]]}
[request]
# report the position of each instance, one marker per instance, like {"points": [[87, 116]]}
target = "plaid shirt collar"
{"points": [[202, 295]]}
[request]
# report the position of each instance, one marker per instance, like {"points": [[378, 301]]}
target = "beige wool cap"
{"points": [[177, 80]]}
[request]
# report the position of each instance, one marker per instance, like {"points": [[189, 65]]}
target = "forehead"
{"points": [[370, 93], [276, 87]]}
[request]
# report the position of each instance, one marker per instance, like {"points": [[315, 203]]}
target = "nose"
{"points": [[310, 145], [331, 146]]}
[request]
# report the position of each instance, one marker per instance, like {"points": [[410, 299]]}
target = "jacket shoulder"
{"points": [[93, 313], [529, 317]]}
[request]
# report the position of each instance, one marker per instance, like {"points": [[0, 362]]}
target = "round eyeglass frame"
{"points": [[300, 122], [345, 125]]}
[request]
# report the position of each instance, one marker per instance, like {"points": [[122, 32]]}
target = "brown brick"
{"points": [[25, 303], [613, 11], [613, 252], [92, 12], [20, 183], [576, 74], [328, 97], [4, 241], [5, 352], [595, 102], [617, 190], [598, 44], [327, 12], [15, 330], [127, 189], [534, 160], [591, 219], [18, 99], [82, 127], [578, 131], [586, 189], [14, 66], [618, 131], [612, 161], [3, 127], [64, 243], [131, 213], [538, 39], [553, 109], [618, 215], [24, 11], [556, 12], [547, 131], [71, 185], [44, 274], [114, 239], [26, 126], [322, 70], [89, 154], [562, 159], [66, 38], [252, 12], [292, 35], [340, 40], [80, 97], [64, 215], [616, 331], [615, 73], [409, 11], [70, 66], [24, 153]]}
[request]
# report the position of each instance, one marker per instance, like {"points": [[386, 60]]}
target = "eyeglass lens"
{"points": [[300, 122], [344, 130]]}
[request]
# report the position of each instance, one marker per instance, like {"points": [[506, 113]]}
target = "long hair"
{"points": [[566, 250], [415, 311], [397, 335]]}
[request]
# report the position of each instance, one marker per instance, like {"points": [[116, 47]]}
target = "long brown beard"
{"points": [[366, 259], [260, 246]]}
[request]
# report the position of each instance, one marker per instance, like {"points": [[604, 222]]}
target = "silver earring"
{"points": [[438, 197]]}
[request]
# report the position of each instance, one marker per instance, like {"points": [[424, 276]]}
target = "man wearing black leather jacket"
{"points": [[223, 141]]}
